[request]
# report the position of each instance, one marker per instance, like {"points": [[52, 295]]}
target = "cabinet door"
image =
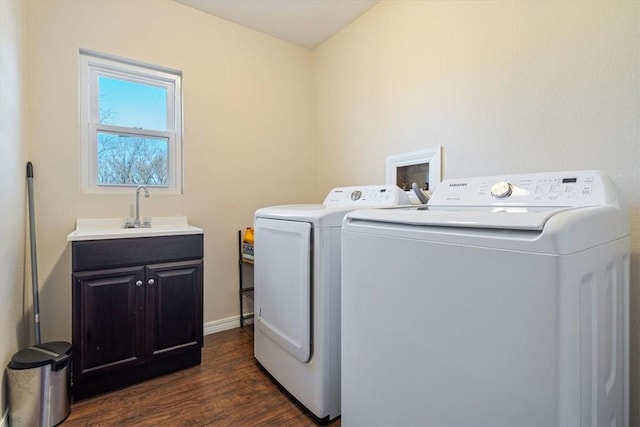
{"points": [[108, 324], [174, 308]]}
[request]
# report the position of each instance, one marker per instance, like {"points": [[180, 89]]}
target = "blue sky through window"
{"points": [[132, 104]]}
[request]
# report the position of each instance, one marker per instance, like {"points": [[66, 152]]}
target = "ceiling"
{"points": [[306, 23]]}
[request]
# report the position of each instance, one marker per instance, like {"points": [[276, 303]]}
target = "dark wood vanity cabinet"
{"points": [[137, 310], [109, 320]]}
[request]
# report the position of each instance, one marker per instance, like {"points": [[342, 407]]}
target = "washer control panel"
{"points": [[573, 188], [367, 195]]}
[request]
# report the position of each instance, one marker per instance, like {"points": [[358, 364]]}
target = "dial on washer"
{"points": [[501, 190]]}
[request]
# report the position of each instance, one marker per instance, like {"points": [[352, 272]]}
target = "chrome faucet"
{"points": [[137, 223]]}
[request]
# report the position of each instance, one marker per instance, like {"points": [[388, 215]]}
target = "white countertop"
{"points": [[113, 228]]}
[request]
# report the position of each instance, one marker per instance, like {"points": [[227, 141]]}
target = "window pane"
{"points": [[132, 160], [136, 105]]}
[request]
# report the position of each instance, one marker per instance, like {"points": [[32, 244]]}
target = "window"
{"points": [[131, 125]]}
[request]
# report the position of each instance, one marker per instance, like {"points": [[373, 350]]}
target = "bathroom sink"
{"points": [[113, 228]]}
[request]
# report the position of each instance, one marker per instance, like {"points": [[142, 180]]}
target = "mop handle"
{"points": [[34, 260]]}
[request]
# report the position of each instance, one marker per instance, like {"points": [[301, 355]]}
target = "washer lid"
{"points": [[504, 217]]}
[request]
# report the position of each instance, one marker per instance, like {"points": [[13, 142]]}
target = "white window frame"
{"points": [[92, 66]]}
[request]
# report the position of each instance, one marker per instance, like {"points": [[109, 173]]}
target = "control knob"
{"points": [[356, 194], [501, 190]]}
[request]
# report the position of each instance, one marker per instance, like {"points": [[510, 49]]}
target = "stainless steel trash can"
{"points": [[40, 385]]}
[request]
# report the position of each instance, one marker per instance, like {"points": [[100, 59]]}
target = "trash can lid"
{"points": [[40, 355], [60, 347]]}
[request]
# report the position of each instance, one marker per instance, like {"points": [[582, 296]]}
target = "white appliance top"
{"points": [[518, 202], [337, 203], [553, 189]]}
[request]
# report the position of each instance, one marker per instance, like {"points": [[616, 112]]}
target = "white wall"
{"points": [[247, 131], [504, 87], [12, 184]]}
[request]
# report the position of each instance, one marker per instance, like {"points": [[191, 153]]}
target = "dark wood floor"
{"points": [[227, 389]]}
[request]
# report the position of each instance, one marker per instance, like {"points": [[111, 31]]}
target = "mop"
{"points": [[34, 260], [39, 376]]}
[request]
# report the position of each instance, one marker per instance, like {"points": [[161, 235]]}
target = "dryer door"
{"points": [[283, 284]]}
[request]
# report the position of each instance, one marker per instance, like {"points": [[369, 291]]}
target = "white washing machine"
{"points": [[297, 292], [503, 302]]}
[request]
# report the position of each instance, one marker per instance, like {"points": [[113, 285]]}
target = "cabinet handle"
{"points": [[151, 281], [139, 283]]}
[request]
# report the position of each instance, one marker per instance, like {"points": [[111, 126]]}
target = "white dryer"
{"points": [[297, 292], [503, 302]]}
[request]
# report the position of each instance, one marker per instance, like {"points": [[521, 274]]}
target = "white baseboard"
{"points": [[221, 325], [4, 422]]}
